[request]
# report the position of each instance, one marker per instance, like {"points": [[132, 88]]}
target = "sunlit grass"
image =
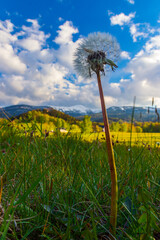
{"points": [[59, 187]]}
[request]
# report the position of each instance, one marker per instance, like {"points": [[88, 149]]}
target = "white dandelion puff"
{"points": [[96, 53]]}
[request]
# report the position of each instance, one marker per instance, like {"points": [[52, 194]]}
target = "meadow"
{"points": [[58, 187], [151, 139]]}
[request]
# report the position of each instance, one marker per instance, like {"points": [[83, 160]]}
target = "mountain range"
{"points": [[125, 113], [115, 113]]}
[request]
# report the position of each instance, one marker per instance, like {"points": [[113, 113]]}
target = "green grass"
{"points": [[59, 188]]}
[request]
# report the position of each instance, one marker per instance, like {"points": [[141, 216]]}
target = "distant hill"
{"points": [[125, 113], [16, 111], [69, 113], [74, 111]]}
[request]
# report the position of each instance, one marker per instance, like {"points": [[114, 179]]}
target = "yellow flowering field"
{"points": [[125, 137]]}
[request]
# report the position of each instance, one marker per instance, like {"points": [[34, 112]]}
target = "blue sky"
{"points": [[38, 40]]}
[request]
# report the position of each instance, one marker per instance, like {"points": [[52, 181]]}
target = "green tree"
{"points": [[123, 127], [87, 124], [115, 126], [75, 128]]}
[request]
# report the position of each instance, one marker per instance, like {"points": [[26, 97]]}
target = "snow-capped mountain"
{"points": [[77, 110], [74, 111], [16, 110], [125, 113]]}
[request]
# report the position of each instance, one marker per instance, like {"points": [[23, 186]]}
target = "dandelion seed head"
{"points": [[103, 44]]}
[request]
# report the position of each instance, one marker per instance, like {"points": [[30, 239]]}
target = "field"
{"points": [[152, 139], [59, 187]]}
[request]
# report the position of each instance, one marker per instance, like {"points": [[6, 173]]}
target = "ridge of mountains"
{"points": [[115, 113], [17, 110], [140, 114]]}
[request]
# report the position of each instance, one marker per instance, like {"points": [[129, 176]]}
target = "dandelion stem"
{"points": [[114, 185]]}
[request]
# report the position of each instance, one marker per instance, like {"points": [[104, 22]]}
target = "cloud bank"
{"points": [[33, 72], [138, 31], [144, 67]]}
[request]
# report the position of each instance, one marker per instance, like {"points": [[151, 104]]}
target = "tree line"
{"points": [[56, 120]]}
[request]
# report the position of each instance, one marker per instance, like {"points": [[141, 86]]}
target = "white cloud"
{"points": [[9, 62], [65, 33], [121, 19], [65, 54], [114, 85], [125, 55], [137, 30], [6, 25], [67, 46], [153, 44], [35, 74], [6, 28], [135, 33], [141, 30], [131, 1], [145, 72], [33, 39], [40, 74], [144, 68], [124, 80], [110, 101], [60, 19], [30, 44]]}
